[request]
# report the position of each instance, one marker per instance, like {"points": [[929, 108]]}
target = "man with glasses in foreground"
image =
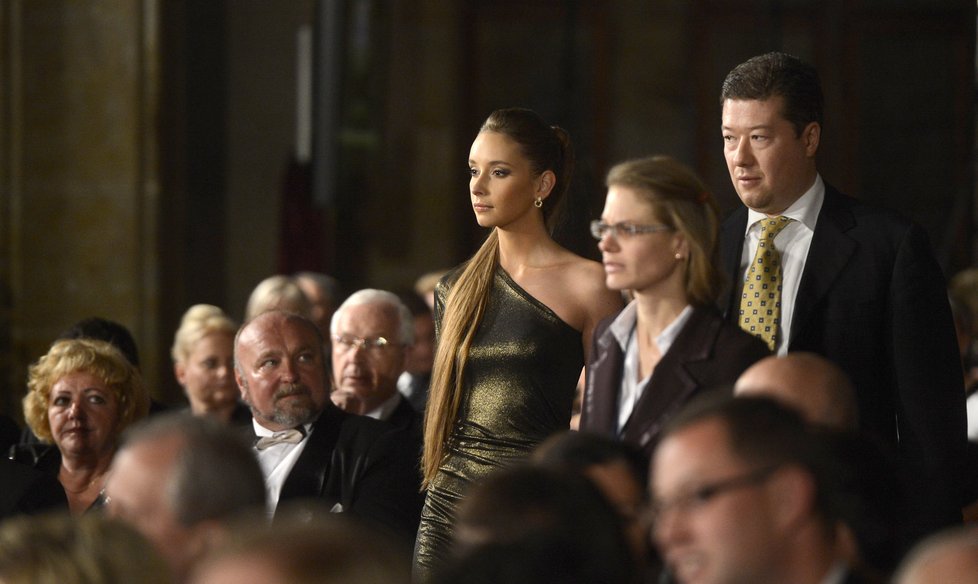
{"points": [[743, 492], [372, 333], [309, 448]]}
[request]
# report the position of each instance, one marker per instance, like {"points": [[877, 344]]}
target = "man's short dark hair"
{"points": [[524, 503], [778, 74], [578, 451], [767, 434], [103, 329]]}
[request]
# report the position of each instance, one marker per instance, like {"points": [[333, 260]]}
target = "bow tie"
{"points": [[291, 436]]}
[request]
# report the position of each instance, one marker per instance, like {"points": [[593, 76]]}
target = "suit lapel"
{"points": [[403, 415], [830, 251], [600, 409], [309, 473], [731, 250]]}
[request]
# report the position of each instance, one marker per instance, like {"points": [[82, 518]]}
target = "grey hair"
{"points": [[374, 296], [277, 293]]}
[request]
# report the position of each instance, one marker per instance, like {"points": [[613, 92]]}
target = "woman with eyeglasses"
{"points": [[657, 236], [514, 323]]}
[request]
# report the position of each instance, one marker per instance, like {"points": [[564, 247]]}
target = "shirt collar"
{"points": [[262, 431], [804, 210], [384, 410], [669, 334], [624, 324]]}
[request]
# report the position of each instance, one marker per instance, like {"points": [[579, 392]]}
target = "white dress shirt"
{"points": [[623, 329], [386, 409], [972, 407], [277, 461], [793, 243]]}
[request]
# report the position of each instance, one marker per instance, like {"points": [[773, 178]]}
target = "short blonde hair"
{"points": [[97, 358], [199, 321]]}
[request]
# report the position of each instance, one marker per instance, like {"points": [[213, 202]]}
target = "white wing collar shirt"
{"points": [[793, 244], [277, 460]]}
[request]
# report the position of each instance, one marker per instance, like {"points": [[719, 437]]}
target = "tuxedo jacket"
{"points": [[409, 424], [873, 299], [708, 353], [367, 467]]}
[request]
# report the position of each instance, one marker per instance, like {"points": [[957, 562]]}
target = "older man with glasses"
{"points": [[373, 333]]}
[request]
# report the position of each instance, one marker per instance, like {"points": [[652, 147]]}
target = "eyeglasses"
{"points": [[369, 344], [699, 497], [623, 230]]}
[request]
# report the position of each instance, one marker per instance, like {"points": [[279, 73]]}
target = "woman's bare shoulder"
{"points": [[586, 279]]}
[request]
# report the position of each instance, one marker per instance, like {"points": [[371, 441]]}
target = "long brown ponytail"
{"points": [[546, 148]]}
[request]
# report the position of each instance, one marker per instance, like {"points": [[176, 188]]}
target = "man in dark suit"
{"points": [[372, 333], [309, 448], [858, 285]]}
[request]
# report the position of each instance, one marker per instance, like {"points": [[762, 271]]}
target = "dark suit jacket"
{"points": [[709, 352], [873, 299], [404, 416], [27, 490], [362, 464]]}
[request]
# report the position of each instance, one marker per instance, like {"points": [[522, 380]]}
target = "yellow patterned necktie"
{"points": [[760, 304]]}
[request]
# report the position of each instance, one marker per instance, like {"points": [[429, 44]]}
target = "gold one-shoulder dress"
{"points": [[521, 375]]}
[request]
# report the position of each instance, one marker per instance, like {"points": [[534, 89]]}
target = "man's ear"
{"points": [[811, 135], [791, 494], [240, 382], [203, 538]]}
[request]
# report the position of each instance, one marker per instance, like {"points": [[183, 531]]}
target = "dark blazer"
{"points": [[365, 466], [873, 299], [405, 417], [27, 490], [709, 352], [409, 424]]}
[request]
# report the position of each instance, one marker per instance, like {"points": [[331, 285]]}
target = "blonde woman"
{"points": [[203, 362], [82, 394], [514, 322], [658, 239]]}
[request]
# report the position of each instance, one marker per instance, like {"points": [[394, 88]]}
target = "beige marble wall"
{"points": [[78, 173]]}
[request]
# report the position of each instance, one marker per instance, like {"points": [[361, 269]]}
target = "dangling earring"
{"points": [[538, 202]]}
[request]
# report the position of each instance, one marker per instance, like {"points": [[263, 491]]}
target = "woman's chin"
{"points": [[617, 282]]}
